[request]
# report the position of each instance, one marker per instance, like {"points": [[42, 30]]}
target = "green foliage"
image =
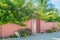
{"points": [[14, 11], [22, 33], [28, 31], [19, 11], [58, 24], [54, 29], [52, 16], [47, 11], [25, 32], [58, 18], [49, 31]]}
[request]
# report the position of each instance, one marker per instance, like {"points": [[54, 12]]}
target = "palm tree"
{"points": [[44, 7]]}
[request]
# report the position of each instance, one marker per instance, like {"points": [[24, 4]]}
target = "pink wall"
{"points": [[47, 25], [0, 30], [9, 29]]}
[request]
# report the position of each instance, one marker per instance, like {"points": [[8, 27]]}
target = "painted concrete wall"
{"points": [[47, 25], [9, 29]]}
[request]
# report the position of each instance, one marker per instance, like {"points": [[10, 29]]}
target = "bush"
{"points": [[49, 31], [22, 33], [28, 31], [54, 29], [25, 32]]}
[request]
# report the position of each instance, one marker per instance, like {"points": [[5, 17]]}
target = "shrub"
{"points": [[25, 32], [1, 38], [49, 31], [13, 12], [54, 29], [28, 31], [22, 33]]}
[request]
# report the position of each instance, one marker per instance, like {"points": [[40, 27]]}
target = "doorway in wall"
{"points": [[38, 26]]}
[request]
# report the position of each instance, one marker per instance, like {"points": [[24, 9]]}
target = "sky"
{"points": [[56, 3]]}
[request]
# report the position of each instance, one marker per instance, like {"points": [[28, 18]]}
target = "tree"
{"points": [[45, 7], [15, 11]]}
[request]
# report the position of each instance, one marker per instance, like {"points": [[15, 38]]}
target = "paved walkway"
{"points": [[45, 36]]}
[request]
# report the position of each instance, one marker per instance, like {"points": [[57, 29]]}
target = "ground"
{"points": [[39, 36]]}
